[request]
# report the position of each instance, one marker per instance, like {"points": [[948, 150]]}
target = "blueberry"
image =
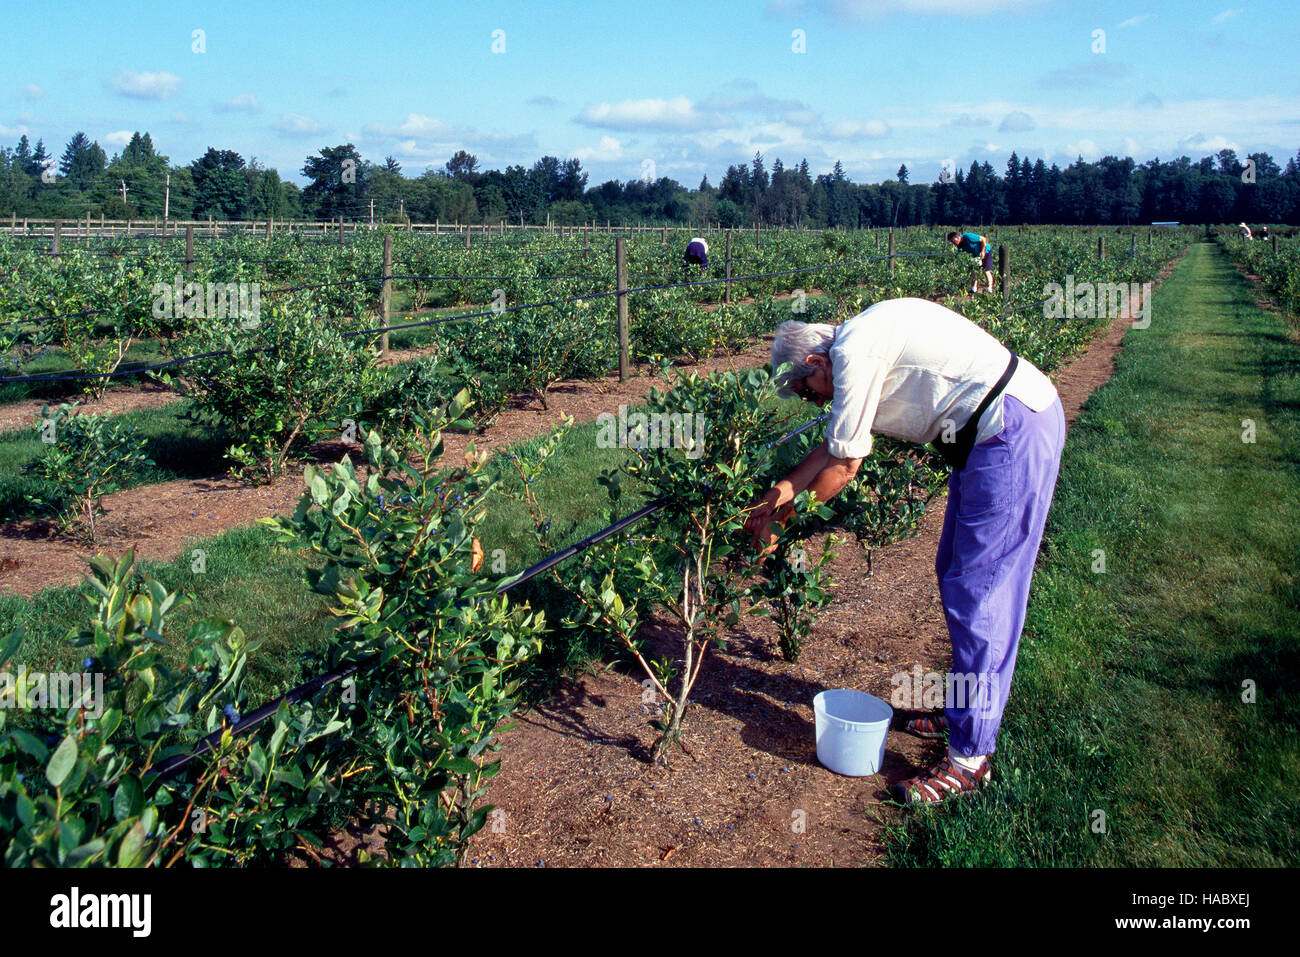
{"points": [[88, 663], [751, 774], [20, 776], [50, 739], [230, 712], [609, 797]]}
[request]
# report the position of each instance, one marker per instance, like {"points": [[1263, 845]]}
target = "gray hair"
{"points": [[794, 342]]}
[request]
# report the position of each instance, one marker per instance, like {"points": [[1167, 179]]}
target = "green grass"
{"points": [[1128, 697]]}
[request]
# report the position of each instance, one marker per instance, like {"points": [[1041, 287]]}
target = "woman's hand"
{"points": [[758, 525]]}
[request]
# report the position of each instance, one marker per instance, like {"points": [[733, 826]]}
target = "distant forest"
{"points": [[137, 182]]}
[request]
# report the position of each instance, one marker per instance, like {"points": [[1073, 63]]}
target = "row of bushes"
{"points": [[406, 742]]}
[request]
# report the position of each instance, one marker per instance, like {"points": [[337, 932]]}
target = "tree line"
{"points": [[140, 182]]}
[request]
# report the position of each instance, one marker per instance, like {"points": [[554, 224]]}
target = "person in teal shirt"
{"points": [[981, 249]]}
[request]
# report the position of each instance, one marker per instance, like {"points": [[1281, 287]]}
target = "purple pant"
{"points": [[997, 506]]}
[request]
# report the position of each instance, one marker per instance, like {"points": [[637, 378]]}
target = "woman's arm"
{"points": [[822, 473]]}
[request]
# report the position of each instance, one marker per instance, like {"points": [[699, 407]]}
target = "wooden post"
{"points": [[87, 229], [1101, 247], [891, 250], [1274, 239], [663, 236], [1133, 246], [468, 230], [340, 230], [189, 249], [1004, 270], [620, 280], [386, 291], [54, 243], [269, 221], [726, 293]]}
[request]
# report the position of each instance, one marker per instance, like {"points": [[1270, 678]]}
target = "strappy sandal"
{"points": [[931, 724], [943, 781]]}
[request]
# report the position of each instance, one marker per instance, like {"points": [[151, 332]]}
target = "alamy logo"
{"points": [[58, 690], [1099, 300], [932, 690], [208, 300], [133, 911], [653, 430]]}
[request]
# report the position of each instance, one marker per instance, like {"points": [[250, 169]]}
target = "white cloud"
{"points": [[1085, 148], [1200, 143], [33, 91], [1017, 121], [118, 138], [609, 150], [13, 132], [1226, 15], [967, 120], [295, 124], [183, 118], [146, 86], [415, 125], [855, 130], [678, 113], [411, 149], [244, 103], [1134, 21]]}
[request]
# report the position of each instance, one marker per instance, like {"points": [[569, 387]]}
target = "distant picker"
{"points": [[981, 249], [697, 252]]}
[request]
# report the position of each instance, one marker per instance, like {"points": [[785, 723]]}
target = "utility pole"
{"points": [[123, 182], [372, 214]]}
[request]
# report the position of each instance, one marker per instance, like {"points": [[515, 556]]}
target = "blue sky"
{"points": [[678, 89]]}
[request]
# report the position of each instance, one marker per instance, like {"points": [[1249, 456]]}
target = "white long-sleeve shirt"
{"points": [[907, 367]]}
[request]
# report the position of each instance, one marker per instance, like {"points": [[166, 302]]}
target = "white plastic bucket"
{"points": [[851, 730]]}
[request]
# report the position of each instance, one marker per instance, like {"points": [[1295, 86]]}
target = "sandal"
{"points": [[927, 725], [941, 782]]}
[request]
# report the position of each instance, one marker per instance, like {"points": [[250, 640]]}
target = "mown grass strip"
{"points": [[1132, 698]]}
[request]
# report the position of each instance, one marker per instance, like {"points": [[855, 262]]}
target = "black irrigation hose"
{"points": [[169, 767]]}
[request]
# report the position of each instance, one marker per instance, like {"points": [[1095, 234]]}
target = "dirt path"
{"points": [[575, 786], [160, 520], [117, 400]]}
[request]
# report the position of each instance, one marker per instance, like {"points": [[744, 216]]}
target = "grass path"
{"points": [[1159, 697]]}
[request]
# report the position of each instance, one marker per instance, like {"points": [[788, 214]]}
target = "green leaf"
{"points": [[131, 851], [9, 645], [60, 766], [128, 799], [30, 744]]}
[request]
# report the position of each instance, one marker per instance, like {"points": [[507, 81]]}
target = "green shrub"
{"points": [[288, 378], [89, 456]]}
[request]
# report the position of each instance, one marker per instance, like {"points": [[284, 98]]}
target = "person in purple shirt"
{"points": [[697, 253], [981, 249]]}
